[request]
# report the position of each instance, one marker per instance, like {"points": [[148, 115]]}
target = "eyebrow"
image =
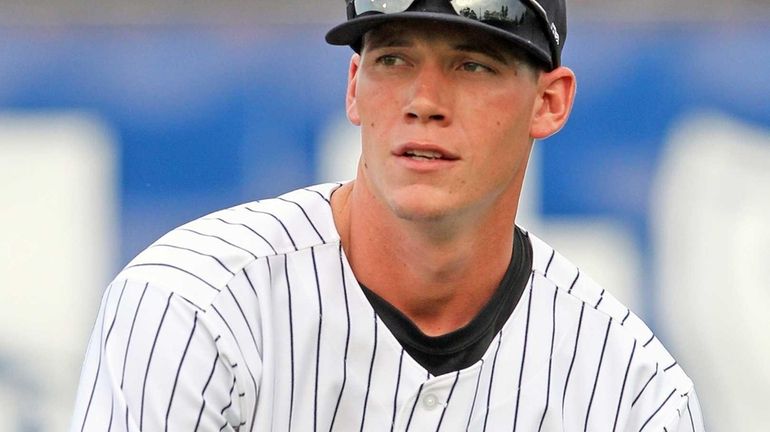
{"points": [[484, 49], [387, 42]]}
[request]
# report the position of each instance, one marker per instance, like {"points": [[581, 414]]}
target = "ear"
{"points": [[350, 96], [554, 102]]}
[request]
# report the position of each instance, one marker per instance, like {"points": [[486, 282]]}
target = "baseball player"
{"points": [[406, 299]]}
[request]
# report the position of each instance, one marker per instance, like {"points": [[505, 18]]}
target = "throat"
{"points": [[439, 294], [438, 273], [445, 348], [439, 285]]}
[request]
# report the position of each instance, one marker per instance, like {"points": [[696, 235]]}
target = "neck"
{"points": [[438, 273]]}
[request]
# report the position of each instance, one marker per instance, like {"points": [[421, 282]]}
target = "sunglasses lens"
{"points": [[488, 10], [502, 10], [384, 6]]}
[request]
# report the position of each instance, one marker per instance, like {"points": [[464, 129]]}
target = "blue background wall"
{"points": [[206, 117]]}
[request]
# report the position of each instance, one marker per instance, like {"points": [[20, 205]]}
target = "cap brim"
{"points": [[351, 32]]}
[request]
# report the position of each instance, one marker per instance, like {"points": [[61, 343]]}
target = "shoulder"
{"points": [[198, 259], [553, 271]]}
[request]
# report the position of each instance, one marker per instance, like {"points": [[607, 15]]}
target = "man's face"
{"points": [[445, 115]]}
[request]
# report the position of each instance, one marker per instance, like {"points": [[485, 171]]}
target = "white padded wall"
{"points": [[712, 221], [57, 250]]}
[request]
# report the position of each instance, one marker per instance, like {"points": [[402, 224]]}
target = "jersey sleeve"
{"points": [[673, 413], [688, 416], [155, 361]]}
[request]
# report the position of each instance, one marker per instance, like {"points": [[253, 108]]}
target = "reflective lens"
{"points": [[486, 10], [474, 9], [384, 6], [490, 11]]}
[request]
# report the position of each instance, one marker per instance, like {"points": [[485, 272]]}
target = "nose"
{"points": [[429, 96]]}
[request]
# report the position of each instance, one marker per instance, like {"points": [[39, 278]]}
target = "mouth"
{"points": [[425, 153]]}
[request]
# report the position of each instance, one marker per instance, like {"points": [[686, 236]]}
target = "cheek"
{"points": [[507, 144], [379, 100]]}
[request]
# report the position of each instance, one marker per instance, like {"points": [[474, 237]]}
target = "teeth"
{"points": [[426, 154]]}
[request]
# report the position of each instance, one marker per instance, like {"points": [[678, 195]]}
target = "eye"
{"points": [[390, 60], [475, 67]]}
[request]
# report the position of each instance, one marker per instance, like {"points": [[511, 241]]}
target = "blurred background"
{"points": [[122, 120]]}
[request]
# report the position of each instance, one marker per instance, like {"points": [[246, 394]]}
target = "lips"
{"points": [[425, 152]]}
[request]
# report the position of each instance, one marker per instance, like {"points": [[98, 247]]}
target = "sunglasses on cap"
{"points": [[507, 14]]}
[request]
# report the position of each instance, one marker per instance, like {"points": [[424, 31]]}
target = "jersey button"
{"points": [[430, 401]]}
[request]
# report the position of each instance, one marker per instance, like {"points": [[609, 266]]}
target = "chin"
{"points": [[420, 215], [418, 207]]}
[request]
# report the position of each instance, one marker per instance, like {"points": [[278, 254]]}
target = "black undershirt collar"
{"points": [[465, 346]]}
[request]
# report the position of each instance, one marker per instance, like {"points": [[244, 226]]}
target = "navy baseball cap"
{"points": [[539, 27]]}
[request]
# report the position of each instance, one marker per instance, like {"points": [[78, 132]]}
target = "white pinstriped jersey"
{"points": [[251, 319]]}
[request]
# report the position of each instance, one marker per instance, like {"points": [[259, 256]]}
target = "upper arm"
{"points": [[155, 362]]}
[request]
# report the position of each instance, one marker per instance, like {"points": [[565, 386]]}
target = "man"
{"points": [[406, 299]]}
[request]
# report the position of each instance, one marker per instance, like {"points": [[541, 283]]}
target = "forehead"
{"points": [[411, 32]]}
